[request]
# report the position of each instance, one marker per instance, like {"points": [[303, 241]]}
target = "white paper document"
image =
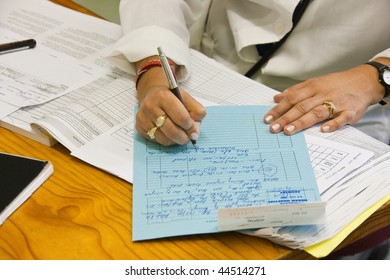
{"points": [[63, 59], [101, 119], [272, 215], [332, 161], [7, 109]]}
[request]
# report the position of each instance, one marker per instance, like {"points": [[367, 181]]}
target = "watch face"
{"points": [[386, 77]]}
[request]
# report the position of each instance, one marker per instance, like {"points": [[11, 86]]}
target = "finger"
{"points": [[290, 98], [164, 102], [196, 113], [173, 132], [278, 97], [197, 110], [316, 115], [167, 134], [179, 126], [343, 118], [310, 106], [146, 119], [161, 138], [294, 89]]}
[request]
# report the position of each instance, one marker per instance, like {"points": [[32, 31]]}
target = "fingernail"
{"points": [[275, 127], [197, 124], [269, 118], [194, 136], [290, 128], [325, 128]]}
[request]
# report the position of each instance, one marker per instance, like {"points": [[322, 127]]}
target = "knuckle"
{"points": [[183, 120], [350, 116], [147, 106], [299, 124], [181, 139], [314, 84], [175, 135], [320, 112], [199, 114], [291, 99], [276, 111], [139, 128], [165, 142], [159, 93], [302, 107], [202, 112], [337, 123], [346, 117], [283, 120]]}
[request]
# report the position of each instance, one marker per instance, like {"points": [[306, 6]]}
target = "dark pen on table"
{"points": [[171, 81], [18, 45]]}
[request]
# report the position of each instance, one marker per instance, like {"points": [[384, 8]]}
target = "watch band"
{"points": [[381, 68]]}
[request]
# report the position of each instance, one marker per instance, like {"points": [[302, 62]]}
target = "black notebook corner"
{"points": [[19, 178]]}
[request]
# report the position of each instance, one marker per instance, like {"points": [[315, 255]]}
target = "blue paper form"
{"points": [[177, 190]]}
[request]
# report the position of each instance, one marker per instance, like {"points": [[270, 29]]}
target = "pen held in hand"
{"points": [[13, 46], [171, 80]]}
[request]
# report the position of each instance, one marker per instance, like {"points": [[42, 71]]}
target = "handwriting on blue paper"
{"points": [[193, 185], [238, 163]]}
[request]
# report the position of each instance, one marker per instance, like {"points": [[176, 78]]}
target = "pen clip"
{"points": [[167, 69]]}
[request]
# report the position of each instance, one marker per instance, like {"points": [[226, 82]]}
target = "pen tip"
{"points": [[194, 144]]}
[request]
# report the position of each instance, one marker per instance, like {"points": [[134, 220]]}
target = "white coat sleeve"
{"points": [[149, 24], [385, 53]]}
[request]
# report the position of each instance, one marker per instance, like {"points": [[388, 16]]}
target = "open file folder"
{"points": [[238, 165]]}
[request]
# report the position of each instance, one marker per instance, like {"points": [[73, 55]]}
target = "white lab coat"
{"points": [[332, 36]]}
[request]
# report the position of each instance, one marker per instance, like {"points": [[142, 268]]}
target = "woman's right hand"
{"points": [[182, 121]]}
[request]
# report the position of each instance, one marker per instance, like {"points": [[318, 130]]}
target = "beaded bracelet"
{"points": [[149, 65]]}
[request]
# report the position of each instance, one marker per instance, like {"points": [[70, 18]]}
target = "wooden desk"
{"points": [[81, 212]]}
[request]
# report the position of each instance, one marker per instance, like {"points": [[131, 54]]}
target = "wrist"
{"points": [[381, 67], [154, 78], [147, 64]]}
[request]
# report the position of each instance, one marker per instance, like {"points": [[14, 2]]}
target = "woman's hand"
{"points": [[310, 102], [156, 100]]}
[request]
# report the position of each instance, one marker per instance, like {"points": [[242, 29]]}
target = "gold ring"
{"points": [[160, 121], [151, 132], [331, 108]]}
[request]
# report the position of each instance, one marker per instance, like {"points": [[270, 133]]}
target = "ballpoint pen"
{"points": [[171, 80], [30, 43]]}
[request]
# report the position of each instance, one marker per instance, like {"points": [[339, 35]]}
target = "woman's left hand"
{"points": [[338, 99]]}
